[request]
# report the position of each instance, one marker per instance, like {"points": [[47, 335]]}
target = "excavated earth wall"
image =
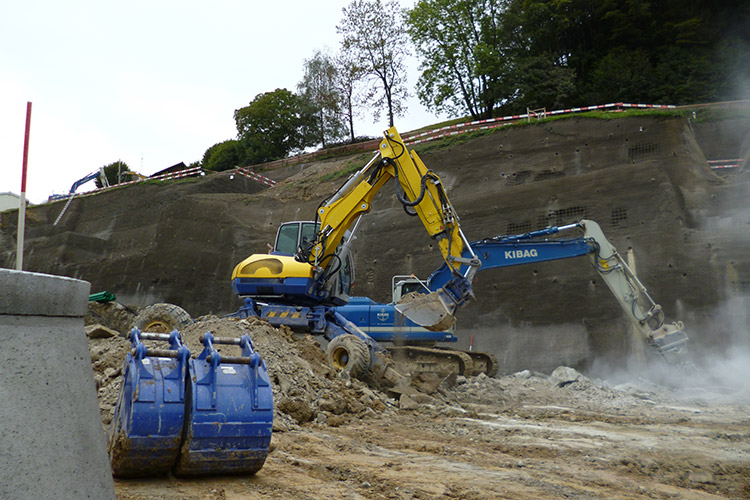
{"points": [[644, 179]]}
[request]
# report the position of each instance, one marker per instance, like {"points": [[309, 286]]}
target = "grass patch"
{"points": [[436, 145], [446, 142], [709, 115], [354, 164]]}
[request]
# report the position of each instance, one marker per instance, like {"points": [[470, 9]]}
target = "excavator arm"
{"points": [[417, 188], [316, 265], [533, 247]]}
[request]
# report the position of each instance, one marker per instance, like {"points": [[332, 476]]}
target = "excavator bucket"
{"points": [[433, 311], [210, 415], [146, 431], [229, 411], [670, 340]]}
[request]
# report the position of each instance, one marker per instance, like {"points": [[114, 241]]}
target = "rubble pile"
{"points": [[305, 388], [529, 392], [112, 315], [107, 356]]}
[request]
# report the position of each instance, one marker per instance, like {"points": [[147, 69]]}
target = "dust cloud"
{"points": [[714, 369]]}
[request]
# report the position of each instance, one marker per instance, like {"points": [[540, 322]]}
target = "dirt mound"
{"points": [[107, 357], [305, 389], [112, 315]]}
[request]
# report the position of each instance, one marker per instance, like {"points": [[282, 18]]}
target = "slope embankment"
{"points": [[644, 179]]}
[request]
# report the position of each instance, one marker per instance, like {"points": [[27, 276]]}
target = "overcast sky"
{"points": [[151, 83]]}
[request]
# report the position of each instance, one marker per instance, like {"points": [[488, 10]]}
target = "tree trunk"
{"points": [[351, 117]]}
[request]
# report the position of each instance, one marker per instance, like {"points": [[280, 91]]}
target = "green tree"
{"points": [[318, 87], [373, 34], [223, 156], [635, 50], [535, 34], [464, 65], [273, 125], [115, 173], [348, 76]]}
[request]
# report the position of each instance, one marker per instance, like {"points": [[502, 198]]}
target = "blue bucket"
{"points": [[146, 432], [229, 411]]}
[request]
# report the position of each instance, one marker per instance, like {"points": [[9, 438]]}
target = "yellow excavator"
{"points": [[304, 282], [310, 271], [319, 272]]}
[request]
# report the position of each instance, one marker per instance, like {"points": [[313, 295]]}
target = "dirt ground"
{"points": [[526, 435]]}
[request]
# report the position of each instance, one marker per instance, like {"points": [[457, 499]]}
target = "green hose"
{"points": [[102, 297]]}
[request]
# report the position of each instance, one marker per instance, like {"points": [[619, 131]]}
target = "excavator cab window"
{"points": [[286, 238], [293, 234], [308, 232], [407, 288]]}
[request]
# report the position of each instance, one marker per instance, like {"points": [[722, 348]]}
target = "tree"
{"points": [[273, 125], [114, 173], [374, 36], [465, 69], [348, 75], [638, 50], [223, 156], [318, 87]]}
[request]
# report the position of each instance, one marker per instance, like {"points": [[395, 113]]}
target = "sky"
{"points": [[152, 83]]}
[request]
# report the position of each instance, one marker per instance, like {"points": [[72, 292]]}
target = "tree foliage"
{"points": [[513, 54], [465, 69], [319, 88], [114, 172], [223, 156], [373, 35], [274, 125]]}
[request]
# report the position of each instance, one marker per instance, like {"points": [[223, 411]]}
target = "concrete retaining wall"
{"points": [[52, 444]]}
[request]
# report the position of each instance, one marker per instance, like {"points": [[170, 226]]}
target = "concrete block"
{"points": [[52, 442], [35, 294]]}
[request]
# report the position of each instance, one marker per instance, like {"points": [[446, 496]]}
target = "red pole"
{"points": [[22, 207], [26, 148]]}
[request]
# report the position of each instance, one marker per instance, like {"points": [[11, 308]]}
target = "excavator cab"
{"points": [[293, 235], [296, 236]]}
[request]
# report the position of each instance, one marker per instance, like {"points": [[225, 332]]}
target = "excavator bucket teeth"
{"points": [[431, 311]]}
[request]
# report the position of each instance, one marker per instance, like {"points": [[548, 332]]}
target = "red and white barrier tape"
{"points": [[490, 123], [177, 175], [256, 176], [722, 164]]}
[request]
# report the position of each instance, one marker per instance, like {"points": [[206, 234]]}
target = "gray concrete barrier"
{"points": [[52, 444]]}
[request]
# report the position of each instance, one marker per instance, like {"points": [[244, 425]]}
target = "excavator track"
{"points": [[442, 362], [484, 362], [413, 359]]}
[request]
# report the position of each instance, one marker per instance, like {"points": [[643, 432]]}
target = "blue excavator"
{"points": [[309, 273], [384, 323], [305, 281]]}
